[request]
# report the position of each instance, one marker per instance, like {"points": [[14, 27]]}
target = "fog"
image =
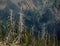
{"points": [[15, 1], [3, 5]]}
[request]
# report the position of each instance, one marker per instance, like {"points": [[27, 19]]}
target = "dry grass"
{"points": [[1, 44]]}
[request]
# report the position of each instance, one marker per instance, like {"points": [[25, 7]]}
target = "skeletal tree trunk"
{"points": [[20, 26], [54, 38], [10, 27], [43, 31], [55, 43]]}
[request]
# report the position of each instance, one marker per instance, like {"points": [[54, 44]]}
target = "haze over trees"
{"points": [[31, 23]]}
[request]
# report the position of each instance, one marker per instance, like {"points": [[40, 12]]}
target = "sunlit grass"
{"points": [[28, 39]]}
